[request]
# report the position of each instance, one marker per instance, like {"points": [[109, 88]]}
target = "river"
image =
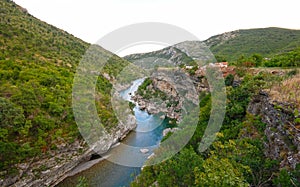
{"points": [[147, 133]]}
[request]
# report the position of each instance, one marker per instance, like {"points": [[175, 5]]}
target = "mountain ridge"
{"points": [[265, 41], [231, 45]]}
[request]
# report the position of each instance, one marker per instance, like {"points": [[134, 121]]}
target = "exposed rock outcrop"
{"points": [[169, 56], [144, 151], [171, 130], [49, 169], [106, 141], [283, 134], [177, 88], [45, 170], [221, 38]]}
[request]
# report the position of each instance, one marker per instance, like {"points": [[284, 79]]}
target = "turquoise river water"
{"points": [[147, 133]]}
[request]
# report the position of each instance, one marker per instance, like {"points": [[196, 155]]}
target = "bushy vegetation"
{"points": [[265, 41], [288, 90], [143, 87], [269, 47], [147, 93], [235, 159], [289, 59], [37, 66]]}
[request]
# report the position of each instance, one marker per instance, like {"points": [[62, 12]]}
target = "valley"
{"points": [[255, 75]]}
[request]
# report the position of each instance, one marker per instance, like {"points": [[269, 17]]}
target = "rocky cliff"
{"points": [[282, 131], [168, 57], [169, 92], [49, 169]]}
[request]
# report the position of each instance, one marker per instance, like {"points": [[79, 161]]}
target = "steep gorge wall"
{"points": [[282, 132], [178, 89], [49, 169]]}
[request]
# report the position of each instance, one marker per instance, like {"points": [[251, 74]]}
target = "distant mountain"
{"points": [[229, 45], [265, 41], [184, 53], [169, 56]]}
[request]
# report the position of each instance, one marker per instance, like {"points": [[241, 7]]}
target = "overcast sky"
{"points": [[92, 19]]}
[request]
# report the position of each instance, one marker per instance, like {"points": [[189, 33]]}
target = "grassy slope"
{"points": [[176, 56], [265, 41], [37, 65]]}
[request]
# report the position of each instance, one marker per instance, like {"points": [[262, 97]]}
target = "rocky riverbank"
{"points": [[52, 167], [46, 169], [168, 91], [156, 107]]}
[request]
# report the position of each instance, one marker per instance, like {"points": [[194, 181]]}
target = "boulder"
{"points": [[144, 151]]}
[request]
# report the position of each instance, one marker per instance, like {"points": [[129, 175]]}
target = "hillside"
{"points": [[169, 56], [287, 59], [257, 145], [264, 41], [37, 66], [230, 46]]}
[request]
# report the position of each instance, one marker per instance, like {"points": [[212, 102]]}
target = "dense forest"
{"points": [[264, 41], [283, 60], [37, 66], [237, 157]]}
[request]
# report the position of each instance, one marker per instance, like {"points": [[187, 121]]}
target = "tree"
{"points": [[12, 117], [229, 80], [219, 172], [220, 58], [257, 59], [178, 171]]}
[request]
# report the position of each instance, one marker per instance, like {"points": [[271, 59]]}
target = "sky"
{"points": [[92, 19]]}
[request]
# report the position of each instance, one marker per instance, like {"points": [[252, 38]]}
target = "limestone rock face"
{"points": [[48, 170], [283, 135], [169, 56], [172, 130], [178, 89], [165, 87]]}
